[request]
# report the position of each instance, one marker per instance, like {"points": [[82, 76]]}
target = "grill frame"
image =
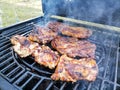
{"points": [[40, 20]]}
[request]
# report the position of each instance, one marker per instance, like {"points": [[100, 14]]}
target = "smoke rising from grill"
{"points": [[99, 11]]}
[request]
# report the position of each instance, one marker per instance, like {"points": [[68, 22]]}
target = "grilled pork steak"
{"points": [[74, 47], [45, 56], [69, 69], [42, 35], [23, 46], [55, 26], [77, 32]]}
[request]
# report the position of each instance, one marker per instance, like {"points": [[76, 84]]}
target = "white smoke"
{"points": [[100, 11]]}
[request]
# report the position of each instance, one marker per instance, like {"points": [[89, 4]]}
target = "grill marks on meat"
{"points": [[18, 39], [46, 34], [23, 46], [55, 26], [74, 47], [77, 32], [42, 35], [69, 69], [45, 56]]}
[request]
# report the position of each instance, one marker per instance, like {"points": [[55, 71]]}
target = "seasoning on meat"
{"points": [[55, 26], [77, 32], [74, 47], [23, 46], [45, 56], [69, 69], [42, 35]]}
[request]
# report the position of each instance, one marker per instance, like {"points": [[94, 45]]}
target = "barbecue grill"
{"points": [[23, 73]]}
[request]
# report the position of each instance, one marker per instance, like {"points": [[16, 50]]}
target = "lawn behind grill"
{"points": [[14, 11]]}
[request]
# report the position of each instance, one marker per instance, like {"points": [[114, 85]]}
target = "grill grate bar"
{"points": [[12, 71], [37, 69], [4, 43], [26, 33], [19, 31], [99, 61], [5, 46], [4, 51], [116, 68], [108, 81], [76, 86], [6, 56], [18, 74], [14, 30], [102, 85], [7, 61], [89, 86], [62, 87], [2, 39], [8, 70], [33, 64], [27, 82], [49, 86], [35, 87], [45, 72], [24, 76], [7, 67], [118, 85]]}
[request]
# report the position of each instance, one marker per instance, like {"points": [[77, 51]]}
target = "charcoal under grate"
{"points": [[26, 74]]}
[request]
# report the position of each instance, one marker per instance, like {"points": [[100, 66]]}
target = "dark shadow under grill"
{"points": [[24, 73]]}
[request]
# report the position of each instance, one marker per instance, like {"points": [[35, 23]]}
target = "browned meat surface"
{"points": [[45, 56], [42, 35], [22, 46], [69, 69], [78, 32], [74, 47], [18, 39], [55, 26]]}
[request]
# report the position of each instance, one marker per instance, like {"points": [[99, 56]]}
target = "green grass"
{"points": [[13, 13]]}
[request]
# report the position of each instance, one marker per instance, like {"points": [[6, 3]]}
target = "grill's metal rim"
{"points": [[86, 23]]}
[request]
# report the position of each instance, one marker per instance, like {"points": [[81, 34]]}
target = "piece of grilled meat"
{"points": [[42, 35], [69, 69], [74, 47], [45, 56], [55, 26], [77, 32], [23, 46]]}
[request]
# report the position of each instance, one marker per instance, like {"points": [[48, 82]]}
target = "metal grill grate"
{"points": [[35, 76], [9, 68]]}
